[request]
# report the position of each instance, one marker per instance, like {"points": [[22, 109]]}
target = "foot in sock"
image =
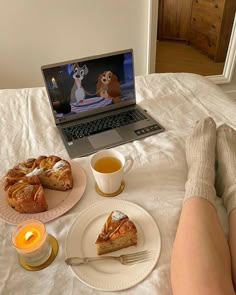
{"points": [[200, 156], [226, 166]]}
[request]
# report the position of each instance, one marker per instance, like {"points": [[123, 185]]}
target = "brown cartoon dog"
{"points": [[108, 86]]}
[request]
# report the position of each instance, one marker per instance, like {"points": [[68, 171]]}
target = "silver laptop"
{"points": [[94, 105]]}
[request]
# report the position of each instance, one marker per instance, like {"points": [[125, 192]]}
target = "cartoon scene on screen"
{"points": [[89, 85]]}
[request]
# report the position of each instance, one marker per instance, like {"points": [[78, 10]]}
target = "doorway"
{"points": [[177, 56], [182, 43]]}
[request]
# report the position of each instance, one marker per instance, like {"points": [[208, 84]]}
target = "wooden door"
{"points": [[173, 19]]}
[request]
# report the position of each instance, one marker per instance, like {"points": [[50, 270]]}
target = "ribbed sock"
{"points": [[200, 156], [226, 166]]}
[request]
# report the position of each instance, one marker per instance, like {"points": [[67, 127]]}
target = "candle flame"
{"points": [[28, 235]]}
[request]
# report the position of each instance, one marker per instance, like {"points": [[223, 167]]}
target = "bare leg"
{"points": [[200, 259], [226, 182]]}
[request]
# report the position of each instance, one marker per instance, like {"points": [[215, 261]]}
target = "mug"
{"points": [[109, 168]]}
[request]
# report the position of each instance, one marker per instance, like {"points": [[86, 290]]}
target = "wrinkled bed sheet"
{"points": [[156, 181]]}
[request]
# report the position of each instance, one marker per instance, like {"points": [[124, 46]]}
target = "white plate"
{"points": [[88, 101], [111, 275], [58, 202]]}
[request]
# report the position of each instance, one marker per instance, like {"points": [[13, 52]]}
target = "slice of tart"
{"points": [[117, 233]]}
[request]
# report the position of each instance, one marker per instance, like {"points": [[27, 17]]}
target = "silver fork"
{"points": [[126, 259]]}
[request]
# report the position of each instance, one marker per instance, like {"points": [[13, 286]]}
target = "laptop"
{"points": [[94, 105]]}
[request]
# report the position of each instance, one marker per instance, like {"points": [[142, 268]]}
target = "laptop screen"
{"points": [[91, 85]]}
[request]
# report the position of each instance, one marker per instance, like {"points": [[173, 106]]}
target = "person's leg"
{"points": [[200, 261], [226, 182]]}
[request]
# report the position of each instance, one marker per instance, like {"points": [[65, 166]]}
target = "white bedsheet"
{"points": [[156, 182]]}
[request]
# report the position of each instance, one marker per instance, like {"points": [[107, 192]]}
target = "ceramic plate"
{"points": [[110, 275], [58, 202], [88, 101]]}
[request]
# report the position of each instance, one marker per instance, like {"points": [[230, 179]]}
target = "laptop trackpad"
{"points": [[104, 139]]}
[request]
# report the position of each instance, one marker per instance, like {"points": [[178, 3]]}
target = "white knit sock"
{"points": [[226, 162], [200, 156]]}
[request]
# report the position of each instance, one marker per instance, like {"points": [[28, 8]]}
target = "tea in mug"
{"points": [[107, 165]]}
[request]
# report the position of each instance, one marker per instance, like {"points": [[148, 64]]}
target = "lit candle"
{"points": [[54, 83], [31, 242]]}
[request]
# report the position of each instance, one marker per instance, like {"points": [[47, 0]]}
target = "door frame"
{"points": [[230, 61]]}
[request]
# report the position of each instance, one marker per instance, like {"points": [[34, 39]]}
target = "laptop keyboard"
{"points": [[103, 124]]}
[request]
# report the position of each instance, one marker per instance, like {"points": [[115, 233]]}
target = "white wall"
{"points": [[38, 32]]}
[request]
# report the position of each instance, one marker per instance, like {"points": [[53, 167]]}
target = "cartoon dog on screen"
{"points": [[108, 86], [77, 92]]}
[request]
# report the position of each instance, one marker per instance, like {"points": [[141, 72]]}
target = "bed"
{"points": [[155, 183]]}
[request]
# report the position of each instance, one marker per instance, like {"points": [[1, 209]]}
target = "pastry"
{"points": [[27, 196], [25, 182], [117, 233]]}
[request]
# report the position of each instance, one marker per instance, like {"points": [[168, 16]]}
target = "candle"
{"points": [[30, 240], [54, 83]]}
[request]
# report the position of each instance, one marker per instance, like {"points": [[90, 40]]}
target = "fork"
{"points": [[126, 259]]}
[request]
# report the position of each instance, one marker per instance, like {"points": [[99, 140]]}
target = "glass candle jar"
{"points": [[30, 240]]}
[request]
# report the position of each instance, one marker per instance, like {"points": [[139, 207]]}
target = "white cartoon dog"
{"points": [[77, 92]]}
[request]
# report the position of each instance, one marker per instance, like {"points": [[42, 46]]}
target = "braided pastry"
{"points": [[24, 183]]}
